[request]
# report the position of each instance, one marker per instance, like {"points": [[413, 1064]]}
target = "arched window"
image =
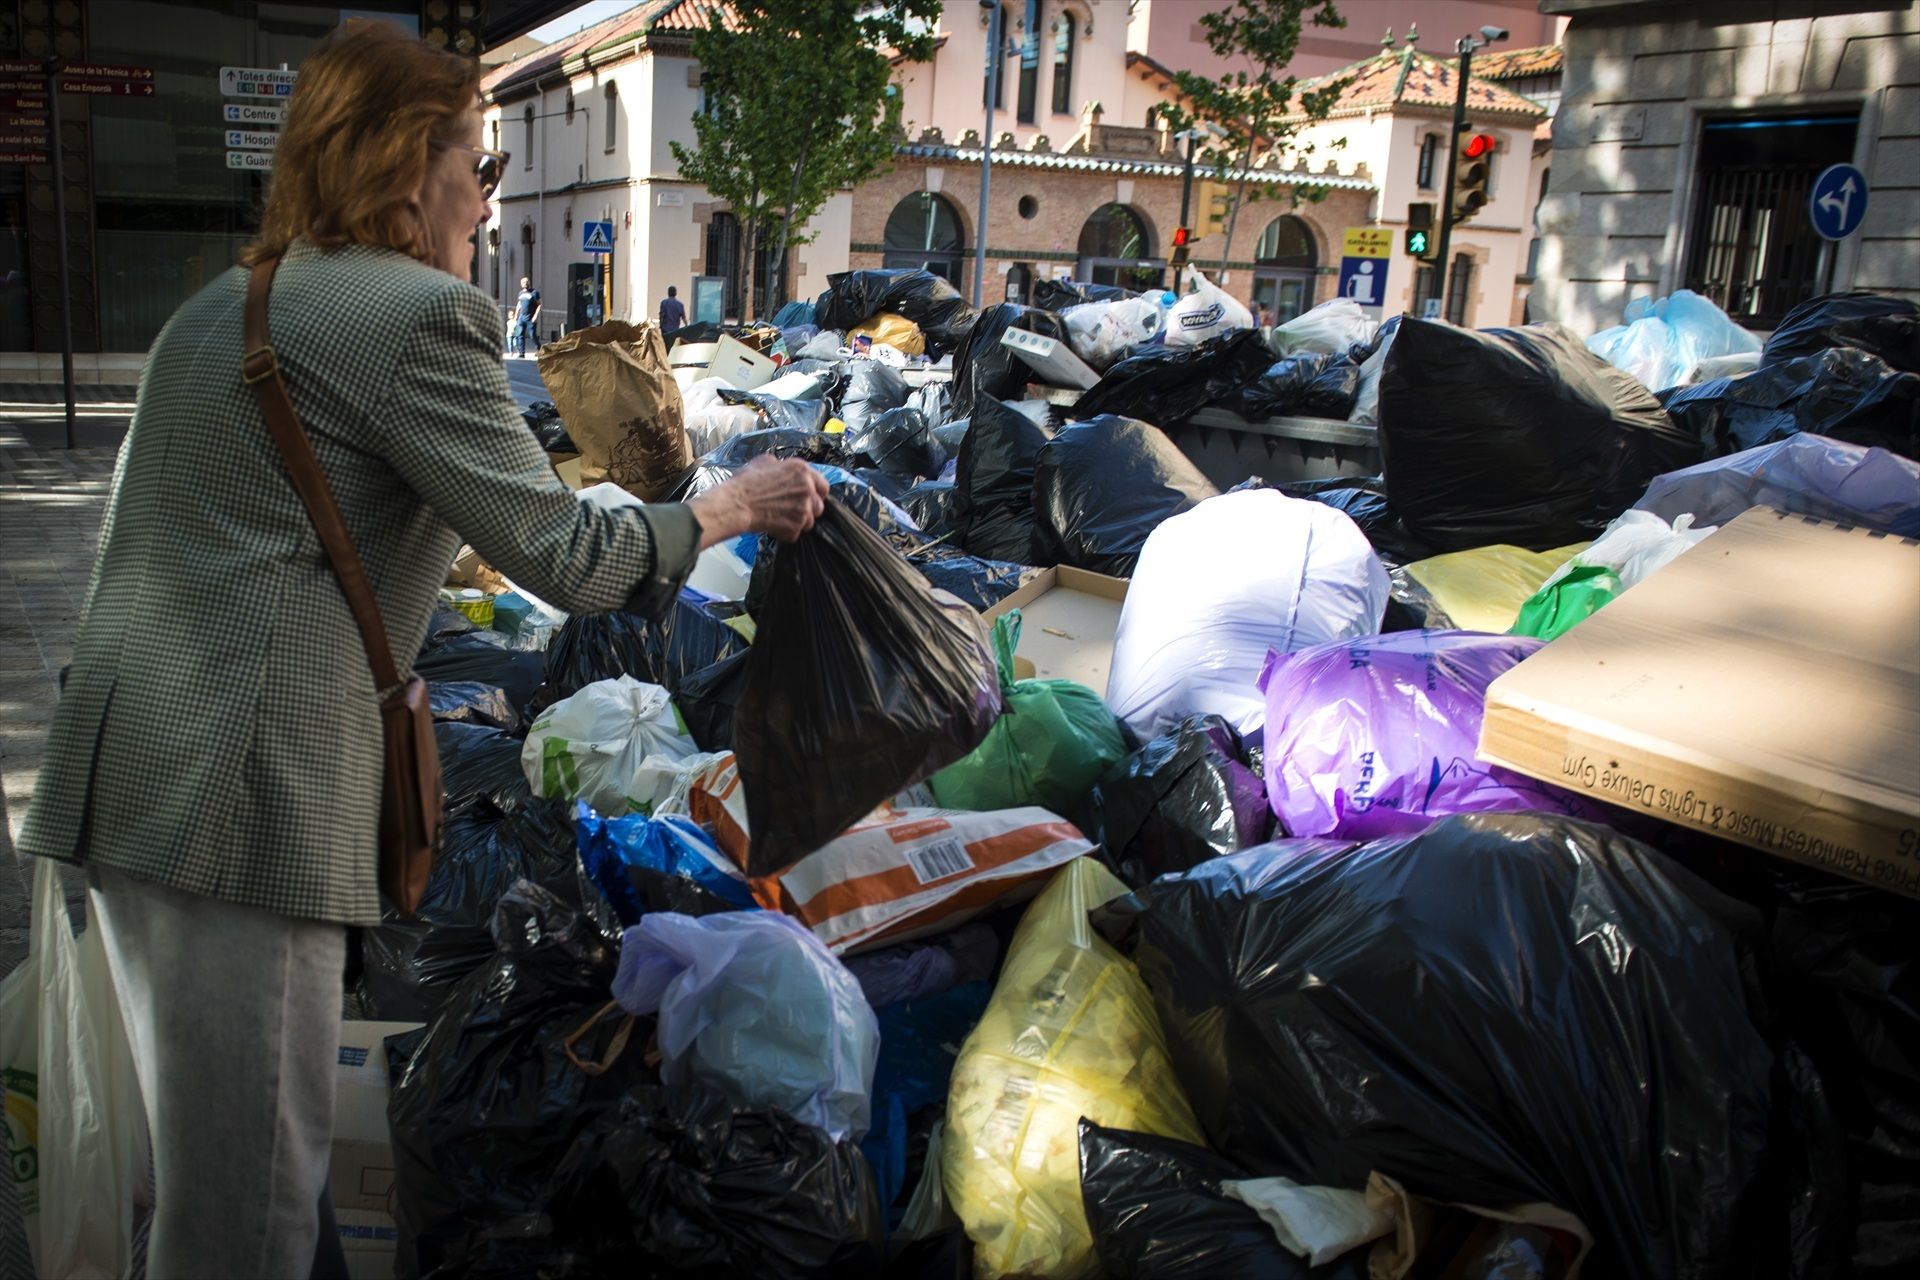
{"points": [[924, 231], [1114, 249], [1283, 271], [1029, 46], [1063, 65], [996, 85]]}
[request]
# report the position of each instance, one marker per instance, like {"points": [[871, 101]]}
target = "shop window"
{"points": [[1114, 249], [1429, 151], [1063, 65], [613, 114], [924, 231]]}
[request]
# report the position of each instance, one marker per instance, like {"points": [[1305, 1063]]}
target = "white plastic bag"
{"points": [[1103, 333], [1635, 546], [1330, 329], [1664, 340], [76, 1131], [711, 421], [1366, 402], [752, 1004], [1318, 1223], [595, 745], [1219, 586], [1207, 312]]}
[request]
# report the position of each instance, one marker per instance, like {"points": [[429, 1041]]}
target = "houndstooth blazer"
{"points": [[219, 731]]}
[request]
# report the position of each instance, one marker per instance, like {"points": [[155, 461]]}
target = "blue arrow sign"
{"points": [[1838, 202], [596, 237]]}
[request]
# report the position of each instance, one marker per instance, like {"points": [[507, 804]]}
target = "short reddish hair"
{"points": [[370, 101]]}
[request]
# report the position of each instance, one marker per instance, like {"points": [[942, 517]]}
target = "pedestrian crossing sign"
{"points": [[596, 237]]}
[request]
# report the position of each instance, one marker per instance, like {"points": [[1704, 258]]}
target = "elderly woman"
{"points": [[216, 757]]}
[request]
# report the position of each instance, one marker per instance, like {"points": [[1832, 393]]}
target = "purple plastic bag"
{"points": [[1375, 737]]}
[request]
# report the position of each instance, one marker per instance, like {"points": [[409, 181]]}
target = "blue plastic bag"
{"points": [[636, 858]]}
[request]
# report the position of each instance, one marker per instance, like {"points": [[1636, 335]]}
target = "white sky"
{"points": [[581, 15]]}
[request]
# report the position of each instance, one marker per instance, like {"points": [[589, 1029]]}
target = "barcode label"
{"points": [[939, 860]]}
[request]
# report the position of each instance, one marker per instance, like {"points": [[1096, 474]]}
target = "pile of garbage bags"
{"points": [[861, 915]]}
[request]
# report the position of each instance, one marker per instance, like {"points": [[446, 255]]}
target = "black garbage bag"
{"points": [[992, 513], [1520, 436], [1184, 798], [444, 622], [975, 582], [1309, 384], [1883, 326], [1364, 498], [479, 657], [590, 647], [1168, 385], [545, 422], [778, 414], [1058, 295], [1101, 486], [698, 331], [872, 389], [922, 297], [986, 367], [861, 682], [934, 400], [1841, 392], [930, 503], [1156, 1211], [470, 702], [706, 698], [900, 443], [1505, 1008], [731, 455], [675, 1181], [488, 1104]]}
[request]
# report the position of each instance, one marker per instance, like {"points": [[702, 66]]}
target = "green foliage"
{"points": [[800, 104], [1257, 110]]}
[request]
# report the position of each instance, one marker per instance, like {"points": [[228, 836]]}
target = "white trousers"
{"points": [[233, 1016]]}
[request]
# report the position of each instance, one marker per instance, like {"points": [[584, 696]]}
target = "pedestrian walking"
{"points": [[526, 317], [673, 312], [222, 790]]}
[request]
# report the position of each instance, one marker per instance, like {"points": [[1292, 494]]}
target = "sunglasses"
{"points": [[487, 169]]}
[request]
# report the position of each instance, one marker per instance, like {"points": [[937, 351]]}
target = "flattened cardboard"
{"points": [[1051, 358], [1067, 620], [362, 1178], [740, 364], [1764, 687]]}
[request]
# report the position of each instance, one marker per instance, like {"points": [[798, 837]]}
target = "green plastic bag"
{"points": [[1557, 607], [1051, 744]]}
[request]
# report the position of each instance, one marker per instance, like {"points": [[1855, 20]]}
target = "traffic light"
{"points": [[1183, 239], [1419, 236], [1470, 175]]}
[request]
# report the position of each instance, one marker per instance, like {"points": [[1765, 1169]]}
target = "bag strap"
{"points": [[260, 369]]}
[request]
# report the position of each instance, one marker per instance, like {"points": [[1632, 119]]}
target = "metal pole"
{"points": [[60, 239], [1186, 202], [1465, 48], [994, 55]]}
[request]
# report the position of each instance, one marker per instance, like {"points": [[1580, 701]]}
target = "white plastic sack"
{"points": [[711, 422], [1103, 333], [1664, 340], [1804, 475], [1635, 546], [824, 345], [1219, 586], [76, 1132], [1329, 329], [1366, 401], [752, 1004], [1318, 1223], [594, 745], [720, 572], [1207, 312]]}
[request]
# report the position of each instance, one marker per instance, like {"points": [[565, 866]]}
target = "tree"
{"points": [[1258, 110], [799, 103]]}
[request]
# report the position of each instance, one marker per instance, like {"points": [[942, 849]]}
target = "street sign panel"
{"points": [[596, 237], [8, 156], [252, 113], [257, 82], [252, 140], [23, 102], [105, 71], [110, 88], [20, 139], [1367, 242], [1838, 201], [1364, 280], [257, 160]]}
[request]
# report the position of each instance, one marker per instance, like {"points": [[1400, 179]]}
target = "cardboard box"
{"points": [[370, 1241], [740, 364], [1051, 358], [362, 1180], [1067, 621], [1764, 687]]}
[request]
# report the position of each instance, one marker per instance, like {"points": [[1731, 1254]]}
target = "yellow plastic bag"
{"points": [[1071, 1031], [1483, 589], [898, 332]]}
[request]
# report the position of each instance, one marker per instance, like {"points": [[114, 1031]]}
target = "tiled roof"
{"points": [[1118, 167], [1407, 77], [1511, 64], [624, 26], [696, 17]]}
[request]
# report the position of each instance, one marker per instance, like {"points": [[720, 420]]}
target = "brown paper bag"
{"points": [[613, 387]]}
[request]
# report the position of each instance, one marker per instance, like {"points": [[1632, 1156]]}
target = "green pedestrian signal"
{"points": [[1418, 241]]}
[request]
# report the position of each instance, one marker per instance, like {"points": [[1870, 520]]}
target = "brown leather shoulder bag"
{"points": [[411, 796]]}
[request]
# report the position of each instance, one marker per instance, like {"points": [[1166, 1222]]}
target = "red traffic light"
{"points": [[1181, 237], [1478, 145]]}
